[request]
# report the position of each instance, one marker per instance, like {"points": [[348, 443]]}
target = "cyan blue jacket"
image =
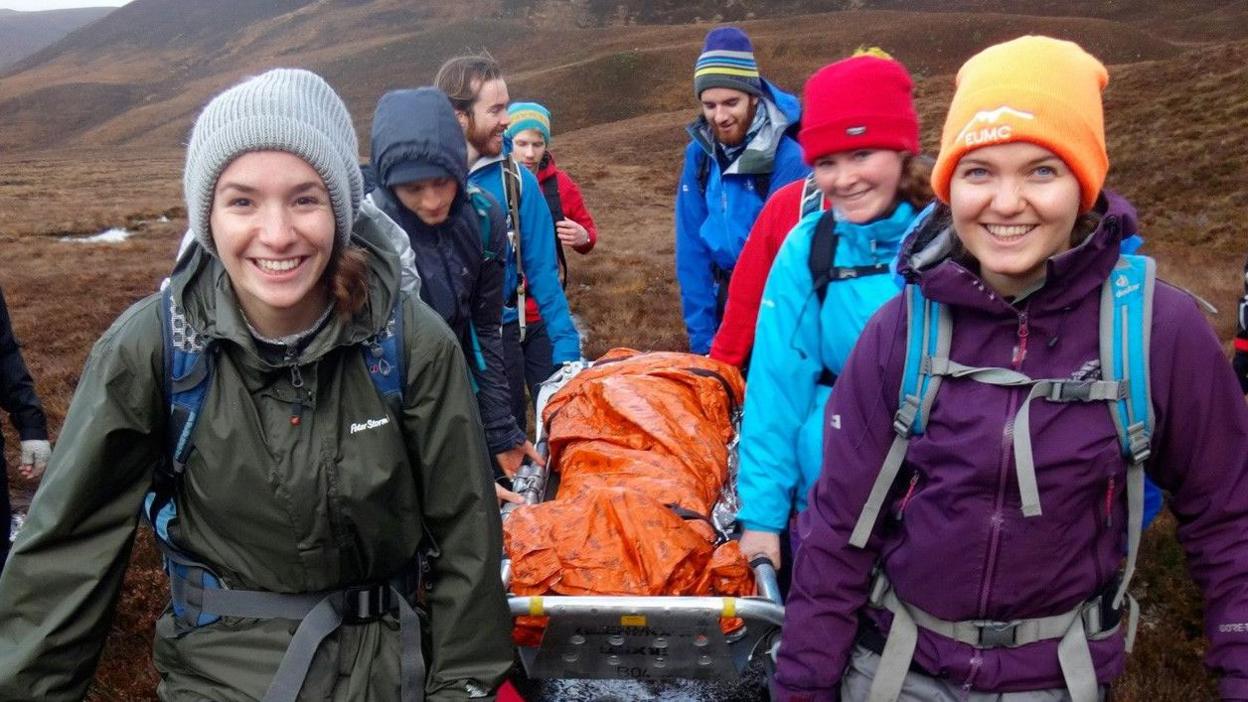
{"points": [[541, 265], [797, 339], [711, 227], [460, 267]]}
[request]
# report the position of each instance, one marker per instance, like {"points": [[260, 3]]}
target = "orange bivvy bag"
{"points": [[640, 444]]}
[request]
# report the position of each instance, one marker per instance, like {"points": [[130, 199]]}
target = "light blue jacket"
{"points": [[541, 267], [711, 228], [796, 340]]}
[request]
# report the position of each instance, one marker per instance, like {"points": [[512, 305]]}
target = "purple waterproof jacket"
{"points": [[958, 546]]}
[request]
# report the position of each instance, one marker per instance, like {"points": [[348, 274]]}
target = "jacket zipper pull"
{"points": [[1020, 351], [296, 382], [901, 512], [1109, 503]]}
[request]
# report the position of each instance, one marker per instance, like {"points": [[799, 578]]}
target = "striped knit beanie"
{"points": [[285, 109], [1033, 89], [528, 115], [727, 61]]}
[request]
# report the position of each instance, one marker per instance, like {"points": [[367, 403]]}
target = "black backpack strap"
{"points": [[550, 190], [823, 254], [704, 171], [822, 261]]}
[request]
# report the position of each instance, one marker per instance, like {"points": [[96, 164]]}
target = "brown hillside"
{"points": [[140, 87]]}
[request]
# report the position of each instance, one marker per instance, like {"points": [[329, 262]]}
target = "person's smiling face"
{"points": [[1014, 206], [273, 226]]}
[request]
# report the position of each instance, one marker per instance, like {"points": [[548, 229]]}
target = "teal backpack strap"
{"points": [[929, 333], [1126, 334], [481, 205]]}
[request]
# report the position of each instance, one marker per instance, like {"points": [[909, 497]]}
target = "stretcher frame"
{"points": [[640, 637]]}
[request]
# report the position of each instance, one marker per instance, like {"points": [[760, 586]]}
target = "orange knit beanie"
{"points": [[1033, 89]]}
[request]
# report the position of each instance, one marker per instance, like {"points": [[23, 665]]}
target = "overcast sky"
{"points": [[35, 5]]}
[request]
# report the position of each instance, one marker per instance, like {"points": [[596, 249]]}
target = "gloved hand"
{"points": [[1240, 363], [35, 455]]}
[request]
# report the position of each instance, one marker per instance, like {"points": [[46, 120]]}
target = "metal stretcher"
{"points": [[644, 637]]}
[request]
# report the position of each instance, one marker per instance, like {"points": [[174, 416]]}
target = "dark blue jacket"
{"points": [[17, 391], [461, 271]]}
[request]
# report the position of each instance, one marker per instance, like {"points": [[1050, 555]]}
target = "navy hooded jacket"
{"points": [[461, 271]]}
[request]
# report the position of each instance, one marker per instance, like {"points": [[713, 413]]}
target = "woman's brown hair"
{"points": [[348, 281], [915, 186]]}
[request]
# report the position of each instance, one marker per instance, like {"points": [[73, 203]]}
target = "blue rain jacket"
{"points": [[711, 228]]}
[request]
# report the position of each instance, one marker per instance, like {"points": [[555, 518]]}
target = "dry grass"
{"points": [[1176, 125]]}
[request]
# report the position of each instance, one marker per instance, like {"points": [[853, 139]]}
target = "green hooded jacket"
{"points": [[269, 505]]}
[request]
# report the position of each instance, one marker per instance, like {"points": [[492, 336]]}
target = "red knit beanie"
{"points": [[862, 102]]}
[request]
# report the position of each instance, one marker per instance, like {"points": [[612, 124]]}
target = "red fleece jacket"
{"points": [[735, 338], [573, 205]]}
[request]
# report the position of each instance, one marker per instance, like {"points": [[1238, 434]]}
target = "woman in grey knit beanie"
{"points": [[319, 477]]}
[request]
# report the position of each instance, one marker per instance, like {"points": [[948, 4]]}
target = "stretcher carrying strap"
{"points": [[1090, 621]]}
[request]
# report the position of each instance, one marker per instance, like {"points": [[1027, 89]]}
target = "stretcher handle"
{"points": [[765, 579]]}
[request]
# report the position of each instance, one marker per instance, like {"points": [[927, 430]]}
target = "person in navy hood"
{"points": [[457, 234]]}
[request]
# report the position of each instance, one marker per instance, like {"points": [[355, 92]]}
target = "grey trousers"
{"points": [[856, 686]]}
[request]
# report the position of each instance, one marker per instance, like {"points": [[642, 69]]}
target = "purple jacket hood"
{"points": [[952, 537]]}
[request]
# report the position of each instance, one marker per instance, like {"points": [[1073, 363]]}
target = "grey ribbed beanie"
{"points": [[284, 109]]}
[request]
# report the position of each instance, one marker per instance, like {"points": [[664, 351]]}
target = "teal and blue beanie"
{"points": [[727, 61], [528, 115]]}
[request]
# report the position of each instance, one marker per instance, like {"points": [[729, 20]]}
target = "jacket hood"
{"points": [[546, 168], [783, 110], [202, 290], [927, 258], [417, 127]]}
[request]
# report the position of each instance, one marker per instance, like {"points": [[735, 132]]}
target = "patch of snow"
{"points": [[112, 236]]}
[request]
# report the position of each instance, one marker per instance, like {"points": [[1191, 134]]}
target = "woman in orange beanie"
{"points": [[985, 449]]}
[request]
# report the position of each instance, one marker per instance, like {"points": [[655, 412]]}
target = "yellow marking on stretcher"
{"points": [[730, 608], [536, 607], [633, 620]]}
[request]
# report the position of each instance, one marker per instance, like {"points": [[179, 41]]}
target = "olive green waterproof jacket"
{"points": [[270, 505]]}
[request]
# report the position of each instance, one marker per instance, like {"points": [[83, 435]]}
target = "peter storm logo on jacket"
{"points": [[369, 424]]}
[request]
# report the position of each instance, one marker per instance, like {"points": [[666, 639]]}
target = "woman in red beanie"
{"points": [[861, 134]]}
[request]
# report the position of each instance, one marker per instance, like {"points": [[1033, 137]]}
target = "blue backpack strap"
{"points": [[187, 377], [929, 333], [384, 358], [1126, 334], [188, 366]]}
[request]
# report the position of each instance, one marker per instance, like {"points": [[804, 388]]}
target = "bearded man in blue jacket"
{"points": [[742, 149], [479, 95]]}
